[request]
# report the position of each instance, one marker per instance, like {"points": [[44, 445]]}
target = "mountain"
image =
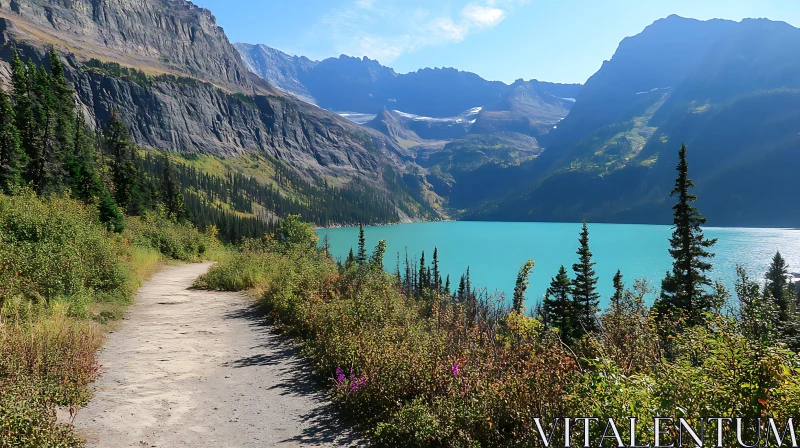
{"points": [[729, 90], [532, 108], [402, 125], [364, 85], [179, 85], [278, 68]]}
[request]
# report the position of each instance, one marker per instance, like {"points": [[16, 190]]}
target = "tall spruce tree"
{"points": [[23, 108], [521, 286], [585, 297], [12, 157], [558, 308], [436, 280], [376, 259], [778, 285], [361, 258], [63, 105], [125, 173], [424, 281], [170, 194], [683, 290], [619, 290], [45, 162]]}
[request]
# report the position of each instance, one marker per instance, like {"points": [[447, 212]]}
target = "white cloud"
{"points": [[386, 29], [482, 16]]}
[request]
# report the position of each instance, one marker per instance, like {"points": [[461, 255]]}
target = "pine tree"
{"points": [[170, 193], [558, 307], [125, 173], [759, 315], [521, 286], [461, 293], [778, 285], [23, 108], [109, 212], [683, 290], [584, 287], [45, 161], [376, 260], [12, 157], [423, 282], [361, 258], [351, 260], [63, 104], [447, 286], [619, 290], [436, 280]]}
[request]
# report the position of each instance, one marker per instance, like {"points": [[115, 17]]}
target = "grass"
{"points": [[64, 279]]}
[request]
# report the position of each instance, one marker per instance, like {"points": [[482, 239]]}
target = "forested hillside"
{"points": [[183, 89]]}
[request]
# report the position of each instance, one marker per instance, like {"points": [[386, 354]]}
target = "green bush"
{"points": [[178, 241], [56, 249]]}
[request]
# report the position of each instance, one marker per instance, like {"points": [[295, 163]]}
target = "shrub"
{"points": [[56, 249], [157, 230], [432, 371]]}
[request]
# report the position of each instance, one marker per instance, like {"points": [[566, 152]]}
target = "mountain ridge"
{"points": [[179, 85]]}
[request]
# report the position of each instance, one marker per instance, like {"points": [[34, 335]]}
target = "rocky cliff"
{"points": [[179, 85]]}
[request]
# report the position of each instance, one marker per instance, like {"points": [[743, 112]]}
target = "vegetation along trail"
{"points": [[199, 369]]}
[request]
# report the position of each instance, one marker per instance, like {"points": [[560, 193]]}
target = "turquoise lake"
{"points": [[494, 251]]}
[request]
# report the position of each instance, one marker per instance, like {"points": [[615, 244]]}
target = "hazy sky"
{"points": [[550, 40]]}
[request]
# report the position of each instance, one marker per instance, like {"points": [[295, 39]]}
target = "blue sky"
{"points": [[550, 40]]}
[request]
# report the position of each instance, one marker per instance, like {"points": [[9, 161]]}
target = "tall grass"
{"points": [[62, 276], [432, 371]]}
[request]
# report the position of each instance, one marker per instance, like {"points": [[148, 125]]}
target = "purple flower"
{"points": [[340, 378], [455, 370], [354, 387]]}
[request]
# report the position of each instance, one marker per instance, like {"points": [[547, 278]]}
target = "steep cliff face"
{"points": [[172, 36], [278, 68], [179, 85]]}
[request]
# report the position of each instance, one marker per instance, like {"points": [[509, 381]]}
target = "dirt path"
{"points": [[199, 369]]}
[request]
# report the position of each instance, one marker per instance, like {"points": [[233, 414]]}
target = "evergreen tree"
{"points": [[351, 260], [447, 286], [683, 290], [361, 258], [12, 157], [376, 260], [558, 308], [45, 162], [63, 105], [521, 286], [584, 287], [109, 212], [170, 193], [23, 108], [619, 290], [125, 173], [436, 280], [778, 285], [759, 315], [423, 270]]}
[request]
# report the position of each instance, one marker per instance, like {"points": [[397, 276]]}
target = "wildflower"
{"points": [[340, 378], [455, 370], [354, 387]]}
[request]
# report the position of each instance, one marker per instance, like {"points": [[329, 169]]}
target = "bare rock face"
{"points": [[171, 36], [190, 90]]}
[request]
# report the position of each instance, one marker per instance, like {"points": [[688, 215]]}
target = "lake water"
{"points": [[494, 251]]}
